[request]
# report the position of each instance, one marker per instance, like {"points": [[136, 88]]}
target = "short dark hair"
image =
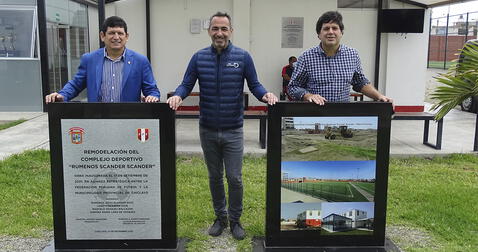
{"points": [[329, 16], [220, 14], [114, 21], [292, 57]]}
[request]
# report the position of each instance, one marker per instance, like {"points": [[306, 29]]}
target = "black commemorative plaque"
{"points": [[113, 176], [327, 169]]}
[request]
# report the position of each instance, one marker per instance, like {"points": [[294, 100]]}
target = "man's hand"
{"points": [[54, 97], [315, 98], [150, 99], [174, 102], [384, 98], [370, 91], [270, 98]]}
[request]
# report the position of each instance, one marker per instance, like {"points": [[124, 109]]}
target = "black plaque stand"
{"points": [[312, 240], [260, 246], [136, 111]]}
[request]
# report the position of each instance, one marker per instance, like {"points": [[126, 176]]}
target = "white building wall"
{"points": [[257, 28], [110, 9], [94, 30], [172, 44], [313, 214], [361, 38], [405, 64], [134, 13], [242, 20]]}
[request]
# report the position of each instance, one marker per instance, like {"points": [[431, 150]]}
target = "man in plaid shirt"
{"points": [[325, 72]]}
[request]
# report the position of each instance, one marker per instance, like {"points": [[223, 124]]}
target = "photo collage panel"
{"points": [[328, 171]]}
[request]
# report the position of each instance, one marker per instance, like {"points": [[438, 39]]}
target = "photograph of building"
{"points": [[300, 216], [350, 218], [335, 223], [309, 219]]}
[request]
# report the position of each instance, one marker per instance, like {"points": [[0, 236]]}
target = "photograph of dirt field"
{"points": [[328, 138]]}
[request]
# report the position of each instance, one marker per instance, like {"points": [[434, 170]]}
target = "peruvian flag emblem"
{"points": [[143, 134]]}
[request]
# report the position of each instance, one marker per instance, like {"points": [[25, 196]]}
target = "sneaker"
{"points": [[219, 225], [237, 230]]}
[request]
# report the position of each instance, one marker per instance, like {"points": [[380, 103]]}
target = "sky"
{"points": [[453, 9], [342, 207], [356, 122], [330, 169], [291, 210]]}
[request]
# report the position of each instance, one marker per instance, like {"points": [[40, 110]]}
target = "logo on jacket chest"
{"points": [[232, 64]]}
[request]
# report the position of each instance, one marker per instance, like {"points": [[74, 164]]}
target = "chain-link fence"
{"points": [[448, 35]]}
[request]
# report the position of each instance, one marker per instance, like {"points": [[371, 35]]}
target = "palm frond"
{"points": [[460, 82]]}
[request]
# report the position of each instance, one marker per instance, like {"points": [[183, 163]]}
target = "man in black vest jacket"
{"points": [[221, 69]]}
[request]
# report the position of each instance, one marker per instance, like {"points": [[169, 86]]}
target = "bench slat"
{"points": [[413, 116]]}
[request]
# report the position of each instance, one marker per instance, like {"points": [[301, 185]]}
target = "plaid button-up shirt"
{"points": [[330, 77]]}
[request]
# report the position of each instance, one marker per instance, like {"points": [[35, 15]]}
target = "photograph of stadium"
{"points": [[329, 138], [327, 181], [347, 218], [300, 216]]}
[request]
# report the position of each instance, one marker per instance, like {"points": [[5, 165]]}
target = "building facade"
{"points": [[170, 31]]}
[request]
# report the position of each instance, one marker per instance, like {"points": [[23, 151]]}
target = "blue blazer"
{"points": [[137, 77]]}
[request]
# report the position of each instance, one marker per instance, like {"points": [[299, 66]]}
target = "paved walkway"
{"points": [[31, 134], [406, 136]]}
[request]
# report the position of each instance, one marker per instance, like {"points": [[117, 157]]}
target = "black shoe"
{"points": [[219, 225], [237, 230]]}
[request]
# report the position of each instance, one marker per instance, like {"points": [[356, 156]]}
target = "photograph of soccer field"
{"points": [[329, 138], [300, 216], [347, 218], [328, 181]]}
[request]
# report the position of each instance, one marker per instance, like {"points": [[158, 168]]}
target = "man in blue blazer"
{"points": [[112, 73]]}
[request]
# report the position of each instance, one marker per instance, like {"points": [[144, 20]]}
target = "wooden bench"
{"points": [[248, 114], [427, 117], [357, 96]]}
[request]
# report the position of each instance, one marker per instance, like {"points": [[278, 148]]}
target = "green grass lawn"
{"points": [[25, 194], [438, 196], [10, 124]]}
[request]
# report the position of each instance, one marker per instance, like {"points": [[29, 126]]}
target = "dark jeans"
{"points": [[224, 149]]}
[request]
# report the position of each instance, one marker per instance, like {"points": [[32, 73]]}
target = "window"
{"points": [[17, 31]]}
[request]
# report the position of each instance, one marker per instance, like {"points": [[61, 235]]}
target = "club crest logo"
{"points": [[143, 134], [76, 135]]}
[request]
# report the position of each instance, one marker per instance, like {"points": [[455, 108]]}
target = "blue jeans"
{"points": [[224, 149]]}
